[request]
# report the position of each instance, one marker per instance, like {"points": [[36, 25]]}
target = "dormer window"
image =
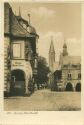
{"points": [[24, 26]]}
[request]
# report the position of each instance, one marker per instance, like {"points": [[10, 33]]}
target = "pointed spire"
{"points": [[29, 18], [65, 53], [64, 45], [51, 56], [19, 12], [51, 45], [51, 38]]}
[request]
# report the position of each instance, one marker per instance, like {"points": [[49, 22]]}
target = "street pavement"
{"points": [[44, 100]]}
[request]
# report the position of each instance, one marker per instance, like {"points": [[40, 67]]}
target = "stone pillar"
{"points": [[26, 85], [74, 88]]}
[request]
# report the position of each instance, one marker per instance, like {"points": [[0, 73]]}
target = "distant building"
{"points": [[20, 55], [51, 57], [67, 76]]}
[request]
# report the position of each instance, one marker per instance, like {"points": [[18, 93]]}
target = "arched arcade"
{"points": [[78, 87], [69, 87]]}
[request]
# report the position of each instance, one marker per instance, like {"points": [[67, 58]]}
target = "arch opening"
{"points": [[78, 87], [17, 86], [69, 87]]}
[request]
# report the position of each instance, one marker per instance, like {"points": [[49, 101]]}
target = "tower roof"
{"points": [[64, 46], [51, 47], [65, 53]]}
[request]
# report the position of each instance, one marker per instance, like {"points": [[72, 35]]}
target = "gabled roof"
{"points": [[17, 29], [19, 18], [32, 29], [12, 25]]}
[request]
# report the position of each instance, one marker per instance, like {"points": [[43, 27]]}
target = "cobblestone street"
{"points": [[44, 100]]}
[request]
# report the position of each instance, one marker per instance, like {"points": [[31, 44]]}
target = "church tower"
{"points": [[65, 53], [51, 56]]}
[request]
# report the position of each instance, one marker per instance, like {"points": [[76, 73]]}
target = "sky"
{"points": [[61, 21]]}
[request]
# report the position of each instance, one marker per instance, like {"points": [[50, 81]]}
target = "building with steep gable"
{"points": [[20, 54]]}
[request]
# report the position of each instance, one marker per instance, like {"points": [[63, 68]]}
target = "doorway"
{"points": [[17, 82]]}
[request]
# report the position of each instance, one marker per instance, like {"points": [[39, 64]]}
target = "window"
{"points": [[69, 76], [79, 76], [65, 66], [75, 66], [16, 50]]}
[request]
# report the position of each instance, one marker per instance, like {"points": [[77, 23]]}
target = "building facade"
{"points": [[68, 74], [20, 54]]}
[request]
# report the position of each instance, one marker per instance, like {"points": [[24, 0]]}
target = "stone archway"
{"points": [[78, 87], [17, 82], [69, 87]]}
